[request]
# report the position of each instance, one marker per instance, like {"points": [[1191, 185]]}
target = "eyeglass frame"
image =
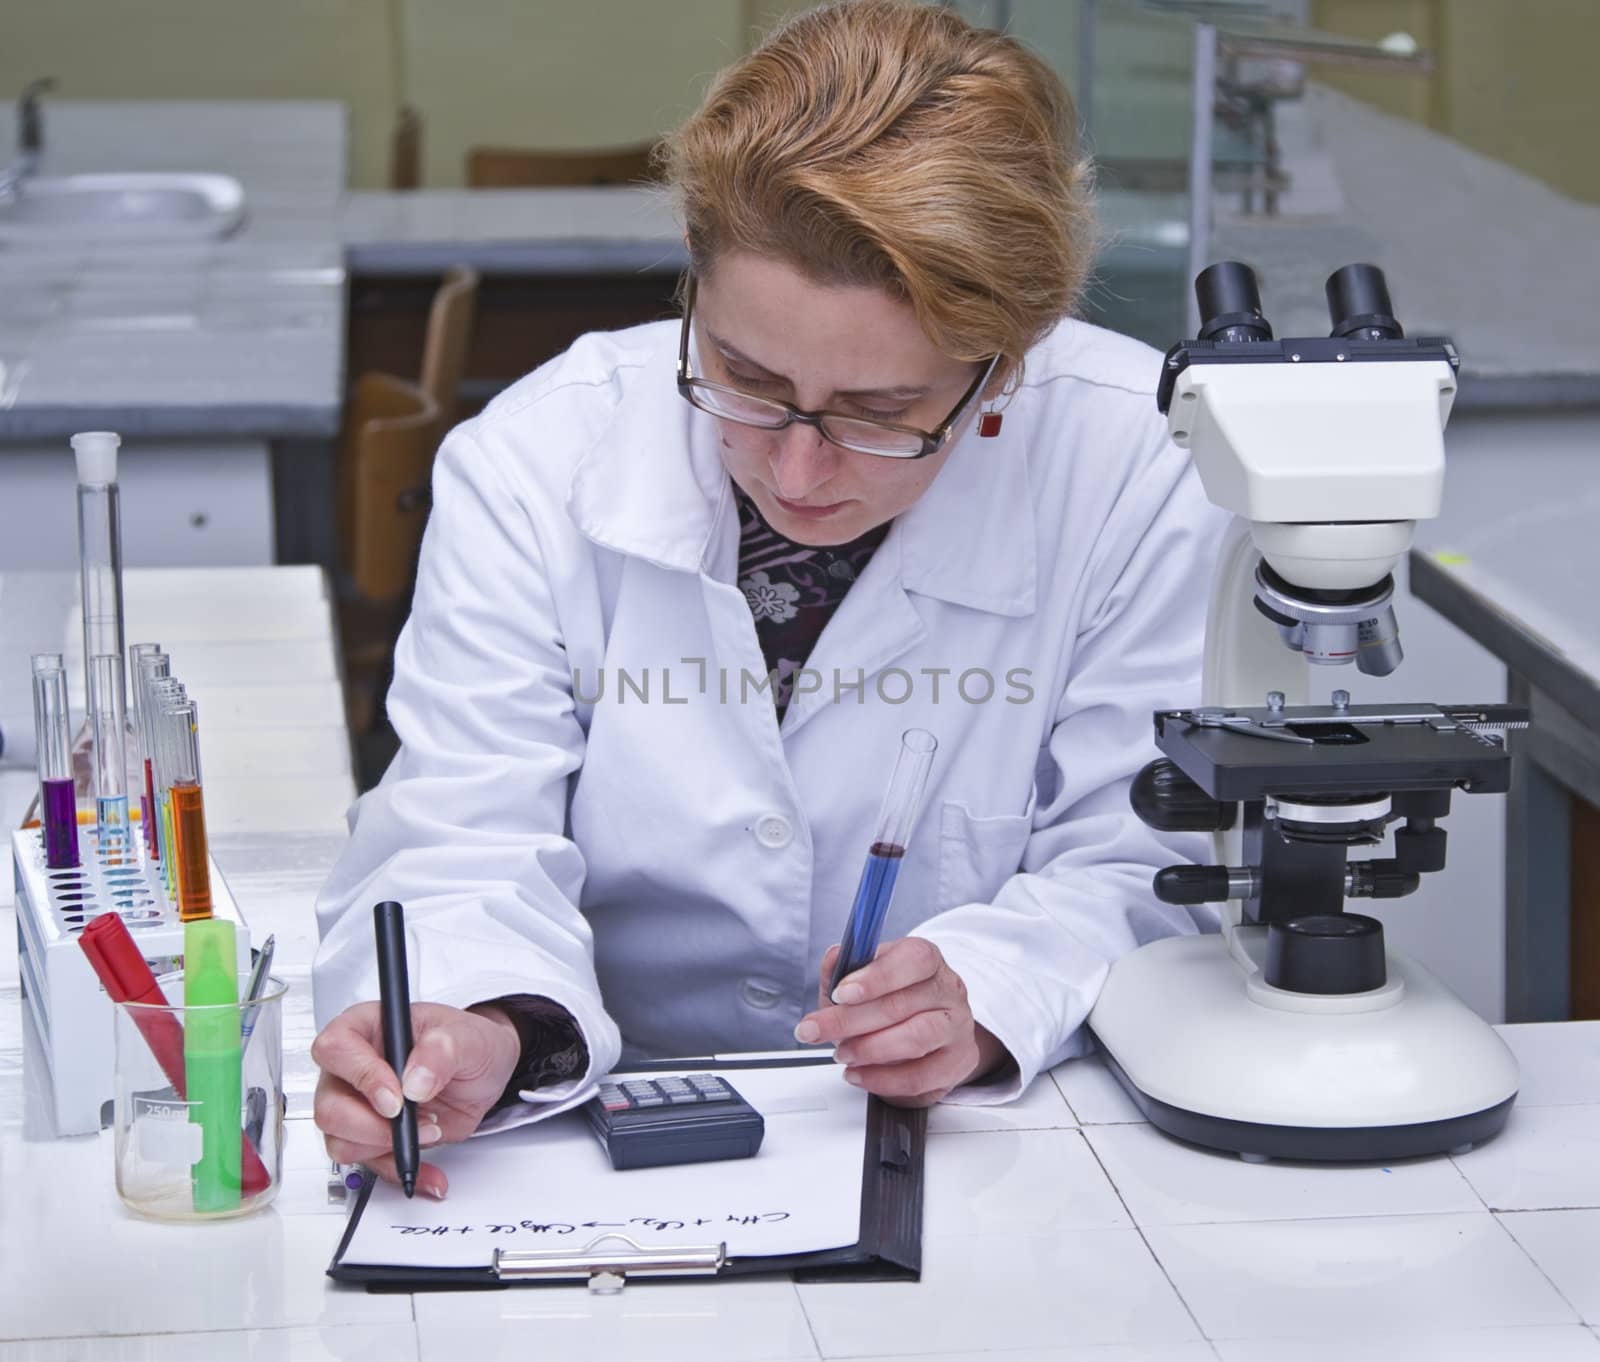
{"points": [[932, 441]]}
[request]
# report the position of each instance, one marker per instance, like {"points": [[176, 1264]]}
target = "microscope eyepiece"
{"points": [[1358, 303], [1230, 303]]}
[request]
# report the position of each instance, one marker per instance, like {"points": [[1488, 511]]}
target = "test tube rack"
{"points": [[64, 1000]]}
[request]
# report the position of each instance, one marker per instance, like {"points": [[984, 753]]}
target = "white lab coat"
{"points": [[672, 865]]}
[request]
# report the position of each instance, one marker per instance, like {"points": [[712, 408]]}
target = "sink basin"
{"points": [[155, 208]]}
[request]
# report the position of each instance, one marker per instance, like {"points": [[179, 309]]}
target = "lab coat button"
{"points": [[760, 993], [773, 831]]}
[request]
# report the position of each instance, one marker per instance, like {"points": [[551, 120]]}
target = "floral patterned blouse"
{"points": [[792, 590]]}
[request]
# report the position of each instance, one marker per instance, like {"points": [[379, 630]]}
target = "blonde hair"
{"points": [[894, 145]]}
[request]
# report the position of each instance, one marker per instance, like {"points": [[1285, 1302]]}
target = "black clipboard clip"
{"points": [[608, 1270]]}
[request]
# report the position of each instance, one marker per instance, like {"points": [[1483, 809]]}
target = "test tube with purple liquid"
{"points": [[58, 802]]}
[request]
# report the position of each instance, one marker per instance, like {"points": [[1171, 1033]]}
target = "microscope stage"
{"points": [[1245, 753]]}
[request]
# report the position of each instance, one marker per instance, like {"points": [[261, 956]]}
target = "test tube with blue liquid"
{"points": [[58, 802], [108, 716], [902, 802]]}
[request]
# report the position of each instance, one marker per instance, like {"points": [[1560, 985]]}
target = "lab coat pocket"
{"points": [[978, 854]]}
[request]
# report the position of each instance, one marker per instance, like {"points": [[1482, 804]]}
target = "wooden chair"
{"points": [[506, 168], [444, 359], [405, 149], [385, 460], [444, 349], [391, 432]]}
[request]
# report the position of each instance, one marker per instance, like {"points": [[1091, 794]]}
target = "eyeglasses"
{"points": [[886, 439]]}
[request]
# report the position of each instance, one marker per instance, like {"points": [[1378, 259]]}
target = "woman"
{"points": [[685, 586]]}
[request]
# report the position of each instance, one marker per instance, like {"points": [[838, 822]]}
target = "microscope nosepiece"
{"points": [[1380, 650]]}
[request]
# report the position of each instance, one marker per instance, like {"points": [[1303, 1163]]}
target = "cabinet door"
{"points": [[201, 504]]}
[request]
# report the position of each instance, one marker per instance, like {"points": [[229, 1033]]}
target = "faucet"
{"points": [[30, 136]]}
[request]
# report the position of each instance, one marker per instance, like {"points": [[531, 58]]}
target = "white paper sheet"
{"points": [[551, 1186]]}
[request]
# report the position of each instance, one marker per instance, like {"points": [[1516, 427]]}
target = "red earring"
{"points": [[989, 424]]}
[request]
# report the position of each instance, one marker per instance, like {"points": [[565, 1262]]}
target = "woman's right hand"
{"points": [[460, 1064]]}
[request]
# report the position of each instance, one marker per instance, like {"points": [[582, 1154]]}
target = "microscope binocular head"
{"points": [[1332, 448]]}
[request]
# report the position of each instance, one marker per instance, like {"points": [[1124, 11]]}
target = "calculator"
{"points": [[687, 1118]]}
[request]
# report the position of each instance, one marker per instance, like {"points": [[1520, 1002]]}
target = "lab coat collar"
{"points": [[653, 486]]}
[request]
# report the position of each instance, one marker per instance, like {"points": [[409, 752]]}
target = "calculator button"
{"points": [[654, 1100], [638, 1088], [686, 1098]]}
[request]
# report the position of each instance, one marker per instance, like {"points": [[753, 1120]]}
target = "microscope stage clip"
{"points": [[1279, 724]]}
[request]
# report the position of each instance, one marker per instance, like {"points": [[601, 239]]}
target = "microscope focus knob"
{"points": [[1186, 884], [1326, 953], [1167, 800]]}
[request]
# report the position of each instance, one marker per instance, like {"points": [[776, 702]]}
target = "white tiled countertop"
{"points": [[240, 336], [1061, 1228]]}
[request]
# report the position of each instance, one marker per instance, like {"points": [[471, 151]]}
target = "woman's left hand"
{"points": [[901, 1025]]}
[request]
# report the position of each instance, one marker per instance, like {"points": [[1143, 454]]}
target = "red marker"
{"points": [[127, 978]]}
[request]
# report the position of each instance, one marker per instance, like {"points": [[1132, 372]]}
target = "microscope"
{"points": [[1294, 1034]]}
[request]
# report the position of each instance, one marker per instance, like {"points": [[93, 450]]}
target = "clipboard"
{"points": [[889, 1246]]}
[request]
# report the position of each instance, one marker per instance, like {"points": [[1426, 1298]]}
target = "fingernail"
{"points": [[807, 1032], [852, 1077], [437, 1193], [419, 1084], [841, 1055], [429, 1134], [847, 993], [387, 1102]]}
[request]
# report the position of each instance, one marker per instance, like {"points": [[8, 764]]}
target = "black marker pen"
{"points": [[394, 1001]]}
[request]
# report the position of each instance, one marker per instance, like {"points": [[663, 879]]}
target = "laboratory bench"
{"points": [[220, 362], [1061, 1228], [1522, 587]]}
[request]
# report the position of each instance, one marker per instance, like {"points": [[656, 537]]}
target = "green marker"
{"points": [[211, 1058]]}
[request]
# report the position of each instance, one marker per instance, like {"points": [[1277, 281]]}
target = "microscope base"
{"points": [[1414, 1072]]}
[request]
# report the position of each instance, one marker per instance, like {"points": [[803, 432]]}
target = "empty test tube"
{"points": [[108, 715], [163, 696], [58, 804]]}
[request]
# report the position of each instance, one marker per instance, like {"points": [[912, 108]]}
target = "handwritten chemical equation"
{"points": [[638, 1222]]}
